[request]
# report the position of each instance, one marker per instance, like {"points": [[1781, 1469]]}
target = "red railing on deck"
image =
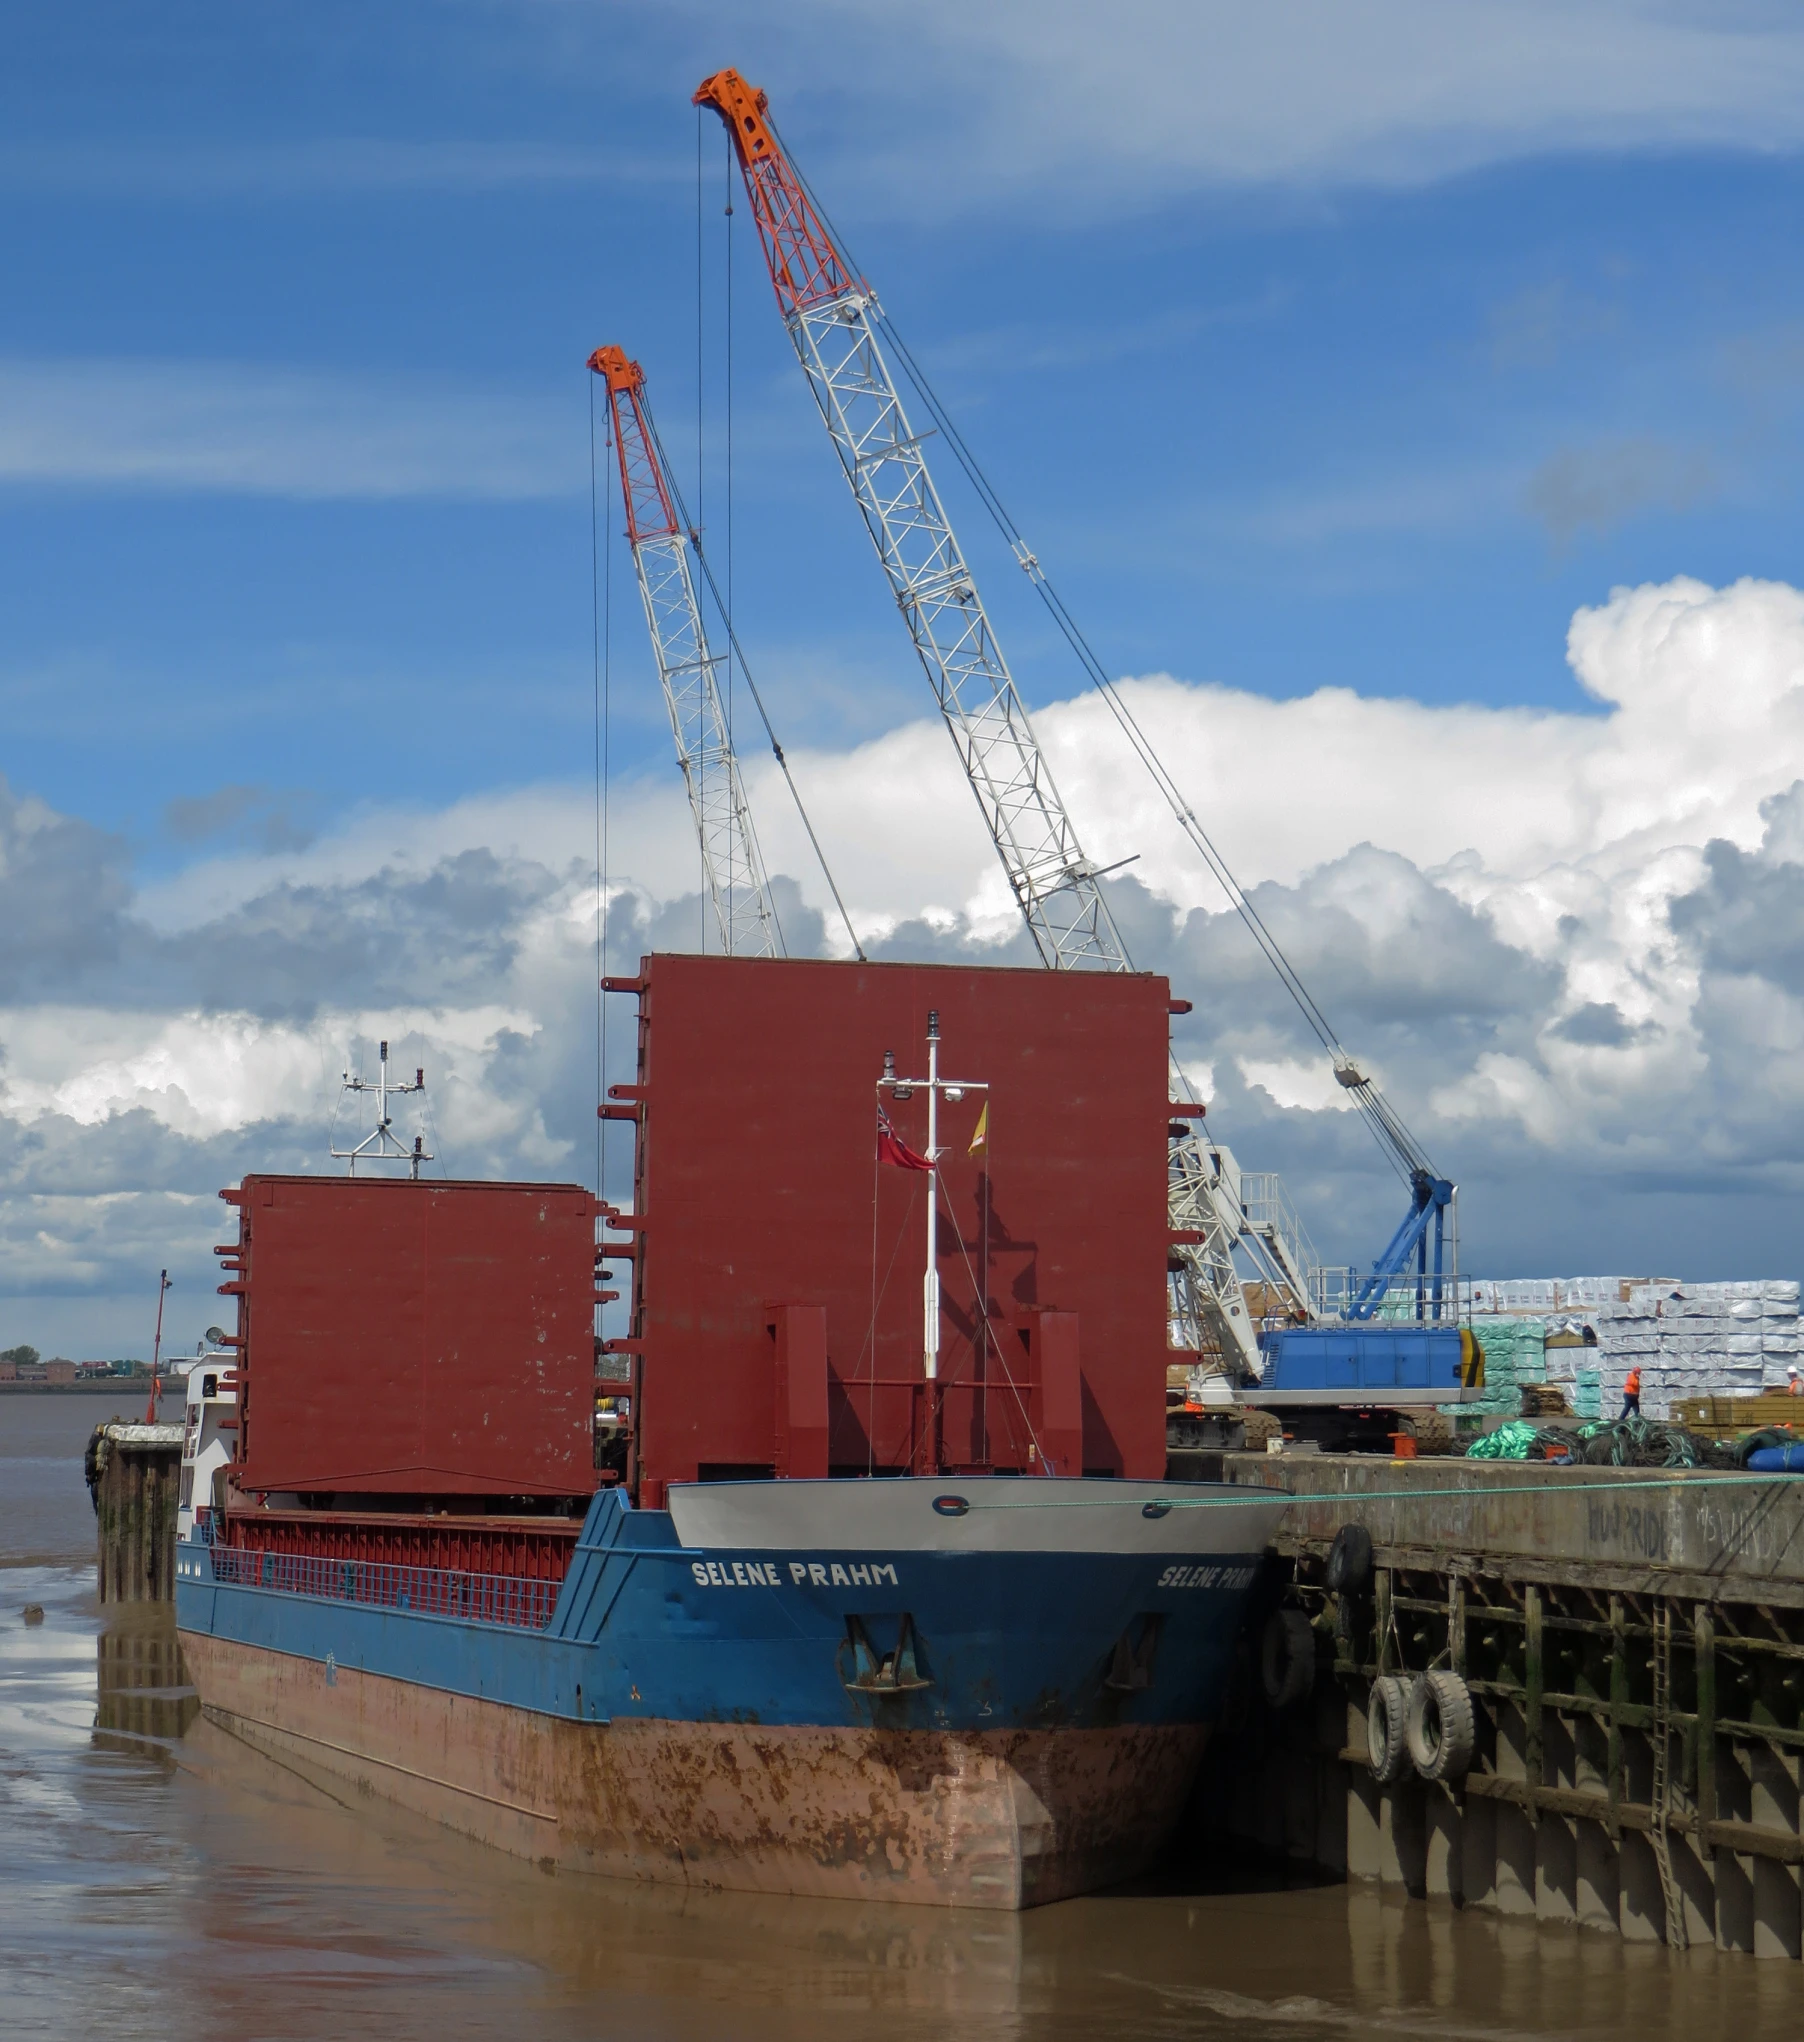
{"points": [[537, 1548], [521, 1600]]}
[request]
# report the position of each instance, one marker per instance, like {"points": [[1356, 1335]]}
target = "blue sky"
{"points": [[1328, 349], [1275, 432]]}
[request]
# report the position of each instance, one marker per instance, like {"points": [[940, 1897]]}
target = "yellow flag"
{"points": [[981, 1134]]}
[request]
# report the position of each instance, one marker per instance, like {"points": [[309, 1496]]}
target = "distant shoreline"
{"points": [[113, 1386]]}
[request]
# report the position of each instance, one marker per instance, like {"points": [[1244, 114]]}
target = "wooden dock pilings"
{"points": [[1633, 1646], [133, 1472]]}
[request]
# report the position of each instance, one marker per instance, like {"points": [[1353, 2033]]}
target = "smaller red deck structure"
{"points": [[414, 1339]]}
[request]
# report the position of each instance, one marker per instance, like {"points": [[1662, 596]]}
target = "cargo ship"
{"points": [[850, 1568]]}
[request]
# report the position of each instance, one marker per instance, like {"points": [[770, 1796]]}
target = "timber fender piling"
{"points": [[1631, 1646], [133, 1472]]}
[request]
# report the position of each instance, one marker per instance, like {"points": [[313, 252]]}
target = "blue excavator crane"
{"points": [[1431, 1203]]}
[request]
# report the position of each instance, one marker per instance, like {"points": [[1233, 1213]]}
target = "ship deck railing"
{"points": [[522, 1601]]}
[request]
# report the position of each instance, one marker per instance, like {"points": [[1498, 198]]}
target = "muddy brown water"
{"points": [[159, 1880]]}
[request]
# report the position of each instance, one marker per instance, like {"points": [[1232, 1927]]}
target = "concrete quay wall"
{"points": [[1623, 1524], [1634, 1647]]}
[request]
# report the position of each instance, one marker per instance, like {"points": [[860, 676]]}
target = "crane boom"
{"points": [[832, 316], [731, 863], [812, 274]]}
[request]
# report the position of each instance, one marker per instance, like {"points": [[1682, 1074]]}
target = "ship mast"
{"points": [[382, 1144], [933, 1085]]}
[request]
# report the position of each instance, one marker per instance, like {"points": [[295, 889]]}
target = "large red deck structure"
{"points": [[777, 1321]]}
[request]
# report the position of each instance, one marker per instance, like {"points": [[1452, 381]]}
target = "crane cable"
{"points": [[745, 674], [603, 678], [693, 528], [1405, 1154], [747, 821]]}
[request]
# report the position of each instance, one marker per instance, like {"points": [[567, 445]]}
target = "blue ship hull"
{"points": [[980, 1690]]}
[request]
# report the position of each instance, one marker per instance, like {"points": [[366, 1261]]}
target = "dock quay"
{"points": [[1632, 1644], [133, 1473]]}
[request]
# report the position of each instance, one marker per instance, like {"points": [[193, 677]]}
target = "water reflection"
{"points": [[158, 1877], [142, 1692]]}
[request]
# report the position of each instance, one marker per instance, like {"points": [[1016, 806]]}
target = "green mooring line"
{"points": [[1252, 1495]]}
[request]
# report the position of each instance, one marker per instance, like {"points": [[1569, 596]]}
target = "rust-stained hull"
{"points": [[990, 1695], [1004, 1818]]}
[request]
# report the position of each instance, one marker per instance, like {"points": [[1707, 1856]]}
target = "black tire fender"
{"points": [[1349, 1560], [1287, 1657], [1387, 1728], [93, 1464], [1442, 1730]]}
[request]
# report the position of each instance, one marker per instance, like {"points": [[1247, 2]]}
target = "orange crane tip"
{"points": [[743, 108], [612, 363]]}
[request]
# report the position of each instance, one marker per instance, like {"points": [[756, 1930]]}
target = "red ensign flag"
{"points": [[891, 1148]]}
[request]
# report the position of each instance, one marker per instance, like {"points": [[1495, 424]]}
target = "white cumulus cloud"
{"points": [[1023, 99], [1570, 945]]}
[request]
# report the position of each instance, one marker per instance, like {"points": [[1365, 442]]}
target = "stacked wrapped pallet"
{"points": [[1516, 1295], [1563, 1294], [1515, 1353], [1697, 1339], [1515, 1318], [1687, 1339]]}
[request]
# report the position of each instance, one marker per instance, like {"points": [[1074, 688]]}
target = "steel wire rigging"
{"points": [[1400, 1147], [834, 320], [831, 316]]}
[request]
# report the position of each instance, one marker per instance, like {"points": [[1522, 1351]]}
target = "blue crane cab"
{"points": [[1351, 1387]]}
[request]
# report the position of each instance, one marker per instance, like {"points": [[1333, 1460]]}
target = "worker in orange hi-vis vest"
{"points": [[1631, 1394]]}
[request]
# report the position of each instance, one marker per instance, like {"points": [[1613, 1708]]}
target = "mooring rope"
{"points": [[1040, 1496]]}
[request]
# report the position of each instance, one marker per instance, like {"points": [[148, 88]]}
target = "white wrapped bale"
{"points": [[1687, 1339]]}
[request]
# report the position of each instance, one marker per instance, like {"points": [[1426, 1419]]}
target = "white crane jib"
{"points": [[731, 864], [832, 316]]}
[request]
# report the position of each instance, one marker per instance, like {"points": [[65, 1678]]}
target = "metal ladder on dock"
{"points": [[1660, 1799]]}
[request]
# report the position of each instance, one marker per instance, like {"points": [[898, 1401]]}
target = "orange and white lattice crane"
{"points": [[833, 317], [731, 861]]}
